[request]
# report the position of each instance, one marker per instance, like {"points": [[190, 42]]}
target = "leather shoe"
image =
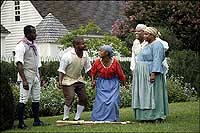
{"points": [[38, 123]]}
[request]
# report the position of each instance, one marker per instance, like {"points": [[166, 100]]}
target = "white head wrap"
{"points": [[140, 26]]}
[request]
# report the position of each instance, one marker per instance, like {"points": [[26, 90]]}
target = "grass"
{"points": [[184, 117]]}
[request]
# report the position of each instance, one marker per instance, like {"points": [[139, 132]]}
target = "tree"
{"points": [[93, 44], [181, 17]]}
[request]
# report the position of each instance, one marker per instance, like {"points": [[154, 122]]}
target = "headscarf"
{"points": [[140, 26], [153, 31], [108, 49]]}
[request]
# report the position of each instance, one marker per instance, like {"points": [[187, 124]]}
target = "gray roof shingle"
{"points": [[73, 14], [50, 29]]}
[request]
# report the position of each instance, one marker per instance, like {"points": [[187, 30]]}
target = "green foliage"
{"points": [[151, 12], [7, 111], [185, 23], [181, 17], [185, 64], [125, 96], [52, 99], [170, 37], [126, 69], [8, 72], [176, 90], [49, 69], [93, 44], [83, 30]]}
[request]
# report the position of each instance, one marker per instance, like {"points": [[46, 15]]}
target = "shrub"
{"points": [[185, 64], [7, 111], [52, 99], [8, 71], [178, 91], [126, 69], [49, 69], [125, 96]]}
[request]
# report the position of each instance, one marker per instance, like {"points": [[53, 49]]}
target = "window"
{"points": [[17, 10]]}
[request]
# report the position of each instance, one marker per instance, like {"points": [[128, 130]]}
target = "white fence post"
{"points": [[51, 58]]}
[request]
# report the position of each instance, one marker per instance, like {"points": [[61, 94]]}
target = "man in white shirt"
{"points": [[70, 78], [27, 59]]}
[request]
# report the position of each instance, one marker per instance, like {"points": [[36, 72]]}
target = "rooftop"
{"points": [[50, 29], [73, 14]]}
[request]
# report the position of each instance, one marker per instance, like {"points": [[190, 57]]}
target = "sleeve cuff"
{"points": [[88, 69], [62, 71]]}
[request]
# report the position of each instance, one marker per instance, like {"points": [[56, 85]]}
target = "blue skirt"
{"points": [[106, 105]]}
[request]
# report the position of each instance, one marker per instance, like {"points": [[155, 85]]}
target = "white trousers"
{"points": [[34, 91]]}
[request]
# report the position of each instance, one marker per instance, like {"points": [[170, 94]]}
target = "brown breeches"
{"points": [[69, 93]]}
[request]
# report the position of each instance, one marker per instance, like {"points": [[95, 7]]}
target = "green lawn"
{"points": [[184, 117]]}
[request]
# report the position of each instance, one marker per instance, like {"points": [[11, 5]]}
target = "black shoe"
{"points": [[22, 126], [38, 123], [159, 120], [77, 119]]}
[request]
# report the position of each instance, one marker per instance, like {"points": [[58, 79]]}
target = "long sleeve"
{"points": [[132, 65], [158, 57], [120, 72], [64, 62], [93, 70], [19, 53], [87, 64]]}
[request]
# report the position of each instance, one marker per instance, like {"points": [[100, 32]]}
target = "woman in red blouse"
{"points": [[106, 74]]}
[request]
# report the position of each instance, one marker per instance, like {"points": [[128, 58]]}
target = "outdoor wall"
{"points": [[28, 16], [49, 49]]}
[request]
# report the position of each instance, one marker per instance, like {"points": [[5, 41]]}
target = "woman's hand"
{"points": [[127, 86], [93, 84]]}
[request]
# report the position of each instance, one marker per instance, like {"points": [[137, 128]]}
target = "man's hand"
{"points": [[59, 85], [25, 85]]}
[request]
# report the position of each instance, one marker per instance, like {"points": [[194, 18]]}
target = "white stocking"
{"points": [[79, 112], [66, 112]]}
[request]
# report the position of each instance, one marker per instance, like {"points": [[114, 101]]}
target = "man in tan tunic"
{"points": [[70, 78]]}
